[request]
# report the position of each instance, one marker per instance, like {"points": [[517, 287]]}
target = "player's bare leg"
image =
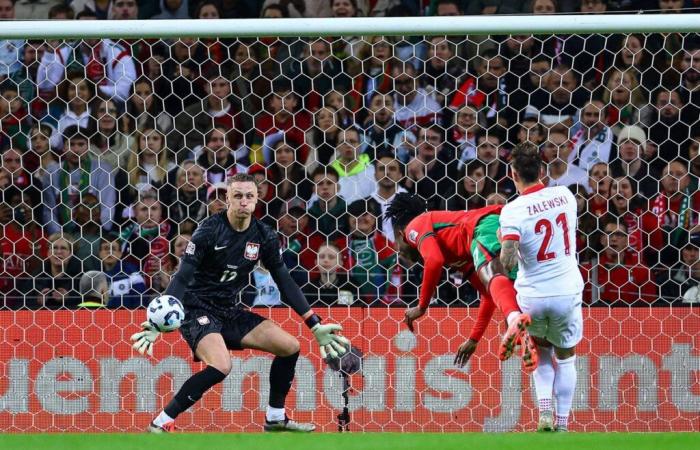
{"points": [[544, 384], [501, 289], [564, 385], [212, 350], [270, 338]]}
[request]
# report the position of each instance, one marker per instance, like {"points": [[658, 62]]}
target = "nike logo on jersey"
{"points": [[219, 247]]}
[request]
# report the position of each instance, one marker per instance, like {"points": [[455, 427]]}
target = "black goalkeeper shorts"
{"points": [[198, 323]]}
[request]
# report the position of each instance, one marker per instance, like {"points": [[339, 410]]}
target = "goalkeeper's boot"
{"points": [[288, 425], [546, 422], [167, 427], [515, 331], [528, 352]]}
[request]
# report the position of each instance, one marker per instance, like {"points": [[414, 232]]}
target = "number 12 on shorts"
{"points": [[544, 226], [228, 275]]}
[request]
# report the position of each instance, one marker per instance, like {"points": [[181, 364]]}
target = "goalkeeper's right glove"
{"points": [[330, 344], [144, 340]]}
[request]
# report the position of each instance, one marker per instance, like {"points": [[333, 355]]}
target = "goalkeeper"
{"points": [[215, 267]]}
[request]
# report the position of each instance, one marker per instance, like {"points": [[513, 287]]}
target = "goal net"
{"points": [[113, 150]]}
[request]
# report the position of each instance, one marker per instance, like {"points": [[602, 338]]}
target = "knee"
{"points": [[291, 346], [223, 365]]}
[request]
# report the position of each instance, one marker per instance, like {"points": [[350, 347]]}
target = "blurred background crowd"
{"points": [[113, 151]]}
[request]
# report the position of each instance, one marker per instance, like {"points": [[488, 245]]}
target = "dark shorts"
{"points": [[198, 323]]}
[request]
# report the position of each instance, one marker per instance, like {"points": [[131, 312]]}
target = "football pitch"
{"points": [[354, 441]]}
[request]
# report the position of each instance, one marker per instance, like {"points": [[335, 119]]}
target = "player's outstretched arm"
{"points": [[467, 349], [329, 342], [433, 261]]}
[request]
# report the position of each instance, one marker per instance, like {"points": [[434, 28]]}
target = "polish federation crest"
{"points": [[252, 251], [204, 320]]}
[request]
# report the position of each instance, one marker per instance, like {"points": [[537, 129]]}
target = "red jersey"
{"points": [[445, 238]]}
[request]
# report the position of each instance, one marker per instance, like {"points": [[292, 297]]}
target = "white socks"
{"points": [[544, 379], [162, 419], [512, 316], [274, 414], [564, 386]]}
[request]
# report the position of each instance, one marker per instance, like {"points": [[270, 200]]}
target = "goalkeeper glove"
{"points": [[144, 339], [330, 343]]}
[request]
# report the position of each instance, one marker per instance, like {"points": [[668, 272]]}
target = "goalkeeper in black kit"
{"points": [[215, 267]]}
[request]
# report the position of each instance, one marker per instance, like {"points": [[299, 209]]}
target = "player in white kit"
{"points": [[538, 230]]}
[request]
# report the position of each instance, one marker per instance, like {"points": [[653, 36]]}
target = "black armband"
{"points": [[312, 320]]}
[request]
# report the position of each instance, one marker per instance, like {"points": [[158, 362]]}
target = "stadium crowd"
{"points": [[114, 150]]}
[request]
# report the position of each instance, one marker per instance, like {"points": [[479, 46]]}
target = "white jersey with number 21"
{"points": [[544, 221]]}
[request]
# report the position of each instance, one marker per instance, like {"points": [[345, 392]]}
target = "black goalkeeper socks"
{"points": [[281, 376], [193, 389]]}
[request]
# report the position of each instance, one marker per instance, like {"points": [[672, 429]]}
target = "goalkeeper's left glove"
{"points": [[144, 339], [331, 344]]}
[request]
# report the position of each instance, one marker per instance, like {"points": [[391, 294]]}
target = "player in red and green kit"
{"points": [[467, 240]]}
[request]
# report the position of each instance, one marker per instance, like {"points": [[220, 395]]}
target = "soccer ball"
{"points": [[165, 313]]}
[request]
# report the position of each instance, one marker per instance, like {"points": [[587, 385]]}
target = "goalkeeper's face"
{"points": [[242, 197]]}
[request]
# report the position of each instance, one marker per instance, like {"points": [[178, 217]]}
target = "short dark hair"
{"points": [[76, 132], [241, 178], [526, 160], [322, 171], [87, 12], [61, 9], [364, 206]]}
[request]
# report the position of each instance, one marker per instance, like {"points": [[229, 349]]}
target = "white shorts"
{"points": [[558, 319]]}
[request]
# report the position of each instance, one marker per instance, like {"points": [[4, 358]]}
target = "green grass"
{"points": [[353, 441]]}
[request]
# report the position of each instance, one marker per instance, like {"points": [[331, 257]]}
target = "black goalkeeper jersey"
{"points": [[223, 259]]}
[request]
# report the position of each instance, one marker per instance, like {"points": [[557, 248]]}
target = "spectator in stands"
{"points": [[34, 9], [22, 179], [389, 174], [14, 118], [329, 208], [599, 182], [412, 104], [57, 283], [591, 138], [318, 73], [214, 111], [10, 50], [110, 142], [630, 208], [145, 109], [473, 189], [216, 198], [353, 166], [377, 62], [338, 100], [77, 93], [23, 246], [677, 208], [124, 10], [188, 206], [93, 289], [86, 231], [560, 98], [382, 134], [529, 129], [268, 203], [694, 155], [467, 126], [322, 138], [40, 159], [285, 170], [544, 7], [282, 114], [668, 128], [173, 9], [447, 8], [78, 173], [216, 157], [619, 276], [624, 98], [329, 282], [126, 283], [634, 54], [148, 165], [369, 255], [442, 69], [490, 151], [431, 173], [61, 11], [629, 162], [690, 78], [299, 242], [145, 239], [682, 281], [555, 152]]}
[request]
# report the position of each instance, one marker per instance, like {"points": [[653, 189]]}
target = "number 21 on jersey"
{"points": [[546, 227]]}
